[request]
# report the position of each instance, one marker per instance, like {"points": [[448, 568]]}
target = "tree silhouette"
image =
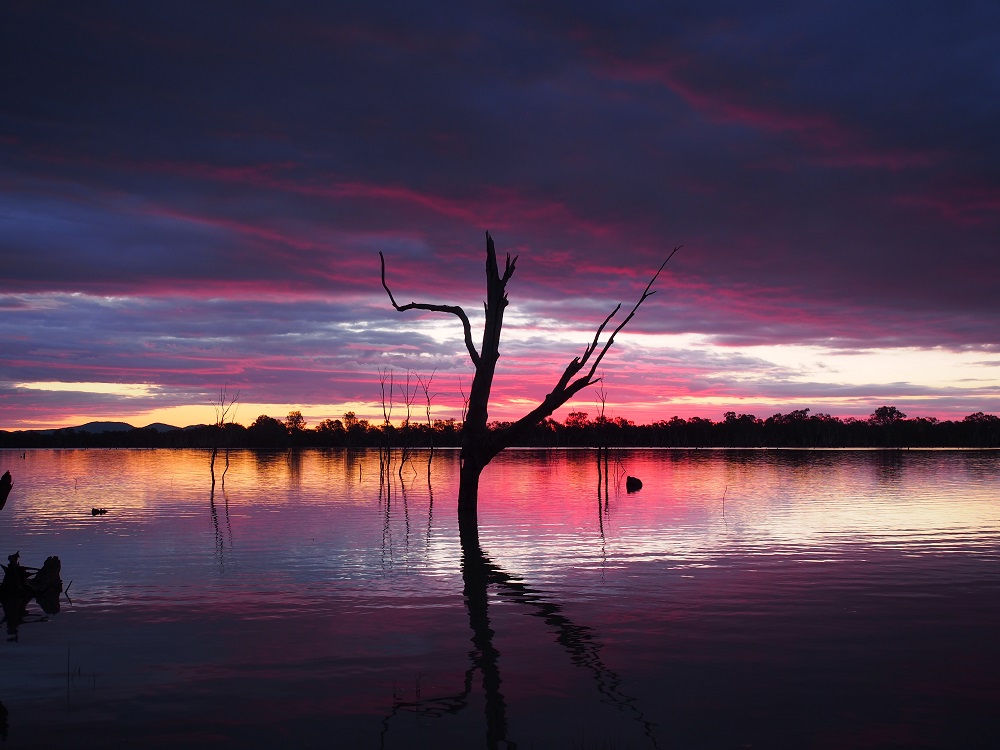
{"points": [[295, 422], [225, 408], [480, 444], [885, 416], [268, 432]]}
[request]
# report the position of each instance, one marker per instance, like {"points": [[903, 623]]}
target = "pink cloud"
{"points": [[961, 206], [493, 208]]}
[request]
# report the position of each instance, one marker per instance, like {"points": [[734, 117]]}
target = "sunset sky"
{"points": [[195, 194]]}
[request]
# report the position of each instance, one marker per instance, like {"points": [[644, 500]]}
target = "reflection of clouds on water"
{"points": [[775, 501]]}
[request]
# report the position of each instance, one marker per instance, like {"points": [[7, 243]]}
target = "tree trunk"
{"points": [[474, 459], [468, 489], [477, 448]]}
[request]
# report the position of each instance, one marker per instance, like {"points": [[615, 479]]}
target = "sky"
{"points": [[193, 196]]}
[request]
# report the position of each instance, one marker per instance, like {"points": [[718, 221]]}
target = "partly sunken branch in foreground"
{"points": [[479, 445]]}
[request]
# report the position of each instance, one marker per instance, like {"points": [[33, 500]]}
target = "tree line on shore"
{"points": [[887, 427]]}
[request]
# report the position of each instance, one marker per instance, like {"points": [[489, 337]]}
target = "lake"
{"points": [[740, 599]]}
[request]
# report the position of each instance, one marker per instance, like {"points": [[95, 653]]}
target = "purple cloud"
{"points": [[191, 195]]}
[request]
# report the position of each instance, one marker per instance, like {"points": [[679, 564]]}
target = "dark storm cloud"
{"points": [[228, 171]]}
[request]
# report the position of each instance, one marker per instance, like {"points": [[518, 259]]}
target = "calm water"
{"points": [[782, 599]]}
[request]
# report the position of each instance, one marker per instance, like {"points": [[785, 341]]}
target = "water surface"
{"points": [[823, 599]]}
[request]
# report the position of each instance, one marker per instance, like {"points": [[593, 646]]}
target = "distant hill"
{"points": [[98, 427]]}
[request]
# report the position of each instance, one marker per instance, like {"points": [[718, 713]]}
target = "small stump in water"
{"points": [[633, 484]]}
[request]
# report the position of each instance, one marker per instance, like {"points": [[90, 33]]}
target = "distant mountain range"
{"points": [[99, 427], [120, 427]]}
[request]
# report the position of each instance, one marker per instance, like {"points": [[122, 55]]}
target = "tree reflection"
{"points": [[478, 572], [220, 536], [579, 641]]}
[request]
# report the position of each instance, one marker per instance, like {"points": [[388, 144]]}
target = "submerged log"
{"points": [[19, 582], [5, 484], [47, 580], [19, 587], [15, 577]]}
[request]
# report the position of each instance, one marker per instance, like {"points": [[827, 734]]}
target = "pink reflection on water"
{"points": [[305, 601]]}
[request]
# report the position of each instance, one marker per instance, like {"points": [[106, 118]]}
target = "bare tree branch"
{"points": [[611, 339], [564, 390], [425, 386], [451, 309], [227, 403]]}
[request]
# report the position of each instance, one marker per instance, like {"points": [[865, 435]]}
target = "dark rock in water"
{"points": [[5, 484], [632, 484], [98, 511]]}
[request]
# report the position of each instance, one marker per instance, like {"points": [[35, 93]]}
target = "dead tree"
{"points": [[425, 386], [409, 393], [479, 444], [225, 408], [386, 382]]}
